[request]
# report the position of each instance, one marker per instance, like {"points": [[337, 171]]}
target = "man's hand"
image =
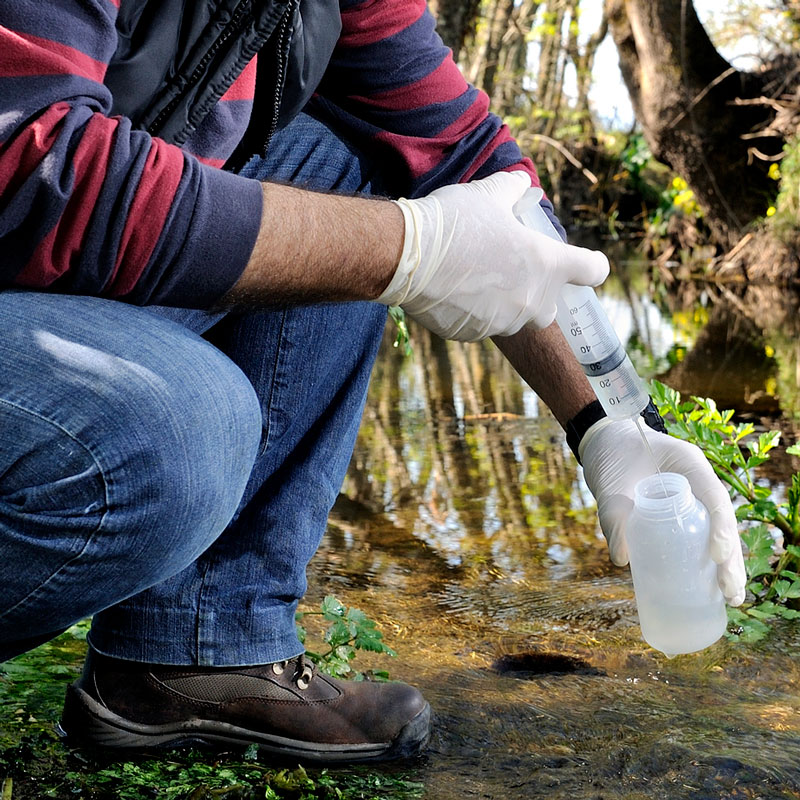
{"points": [[614, 460], [469, 269]]}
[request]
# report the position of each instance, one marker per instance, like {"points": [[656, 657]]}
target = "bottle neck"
{"points": [[664, 495]]}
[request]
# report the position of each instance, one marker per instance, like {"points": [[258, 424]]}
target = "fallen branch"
{"points": [[590, 176]]}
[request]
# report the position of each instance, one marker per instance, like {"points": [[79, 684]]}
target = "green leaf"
{"points": [[337, 634], [753, 630], [745, 628], [332, 607], [402, 340], [793, 506], [251, 753], [760, 613], [755, 461], [793, 449], [345, 653], [358, 617], [787, 590], [765, 610], [764, 509], [760, 554], [336, 667]]}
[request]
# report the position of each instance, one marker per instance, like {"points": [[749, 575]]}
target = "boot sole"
{"points": [[85, 722]]}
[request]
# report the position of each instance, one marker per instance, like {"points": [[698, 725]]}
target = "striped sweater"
{"points": [[91, 205]]}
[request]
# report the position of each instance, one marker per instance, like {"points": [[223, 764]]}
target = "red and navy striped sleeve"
{"points": [[90, 205], [393, 85]]}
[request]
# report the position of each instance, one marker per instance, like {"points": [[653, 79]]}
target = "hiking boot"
{"points": [[287, 708]]}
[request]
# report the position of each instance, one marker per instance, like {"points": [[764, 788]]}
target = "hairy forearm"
{"points": [[545, 362], [315, 247]]}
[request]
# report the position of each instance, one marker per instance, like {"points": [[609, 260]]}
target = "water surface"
{"points": [[466, 530]]}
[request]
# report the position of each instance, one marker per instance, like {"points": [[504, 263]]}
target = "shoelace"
{"points": [[303, 672]]}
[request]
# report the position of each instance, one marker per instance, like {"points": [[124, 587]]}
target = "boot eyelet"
{"points": [[278, 667], [304, 679]]}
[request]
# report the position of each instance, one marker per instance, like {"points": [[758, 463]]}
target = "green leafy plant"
{"points": [[349, 630], [402, 339], [193, 776], [676, 198], [783, 215], [772, 528], [634, 157]]}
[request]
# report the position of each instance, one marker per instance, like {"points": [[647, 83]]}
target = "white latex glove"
{"points": [[614, 459], [470, 269]]}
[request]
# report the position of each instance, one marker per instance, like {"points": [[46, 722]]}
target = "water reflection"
{"points": [[466, 530]]}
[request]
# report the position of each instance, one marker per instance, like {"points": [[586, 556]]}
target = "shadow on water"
{"points": [[466, 530]]}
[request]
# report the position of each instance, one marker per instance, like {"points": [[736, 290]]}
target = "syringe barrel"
{"points": [[587, 329]]}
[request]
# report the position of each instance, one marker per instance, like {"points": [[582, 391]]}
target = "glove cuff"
{"points": [[397, 290]]}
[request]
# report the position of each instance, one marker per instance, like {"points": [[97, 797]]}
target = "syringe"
{"points": [[588, 331]]}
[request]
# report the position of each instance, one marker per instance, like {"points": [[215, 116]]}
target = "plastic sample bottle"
{"points": [[681, 607]]}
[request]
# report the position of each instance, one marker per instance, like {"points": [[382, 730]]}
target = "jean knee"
{"points": [[52, 503], [185, 470]]}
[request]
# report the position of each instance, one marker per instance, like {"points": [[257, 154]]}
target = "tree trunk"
{"points": [[583, 59], [455, 20], [499, 20], [510, 96], [685, 98], [552, 62]]}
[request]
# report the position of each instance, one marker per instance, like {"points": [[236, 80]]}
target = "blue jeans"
{"points": [[171, 472]]}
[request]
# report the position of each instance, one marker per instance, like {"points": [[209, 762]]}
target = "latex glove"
{"points": [[614, 459], [470, 269]]}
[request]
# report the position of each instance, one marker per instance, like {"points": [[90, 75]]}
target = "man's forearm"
{"points": [[545, 362], [315, 247]]}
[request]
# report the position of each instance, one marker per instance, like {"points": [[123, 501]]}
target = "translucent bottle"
{"points": [[681, 607]]}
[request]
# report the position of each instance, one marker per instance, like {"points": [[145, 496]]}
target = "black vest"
{"points": [[176, 58]]}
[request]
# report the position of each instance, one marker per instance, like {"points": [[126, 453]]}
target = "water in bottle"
{"points": [[681, 608]]}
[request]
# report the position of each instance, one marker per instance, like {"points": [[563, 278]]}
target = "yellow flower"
{"points": [[774, 172], [685, 202], [771, 211], [679, 183], [769, 351], [683, 198]]}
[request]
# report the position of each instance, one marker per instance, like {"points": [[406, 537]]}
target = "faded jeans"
{"points": [[170, 472]]}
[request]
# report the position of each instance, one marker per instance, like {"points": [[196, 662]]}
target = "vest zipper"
{"points": [[284, 36], [236, 20]]}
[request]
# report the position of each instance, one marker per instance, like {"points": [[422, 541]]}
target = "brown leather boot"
{"points": [[287, 708]]}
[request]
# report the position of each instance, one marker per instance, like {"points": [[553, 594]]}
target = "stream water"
{"points": [[466, 530]]}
